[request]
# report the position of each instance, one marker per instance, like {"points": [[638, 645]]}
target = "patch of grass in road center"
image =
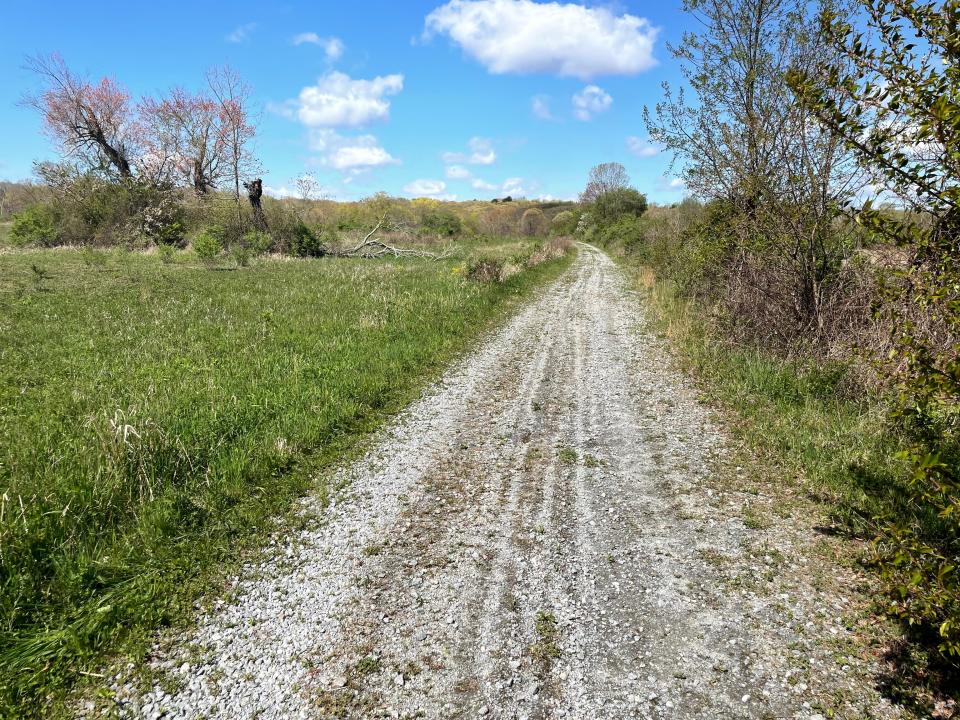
{"points": [[546, 648], [156, 416]]}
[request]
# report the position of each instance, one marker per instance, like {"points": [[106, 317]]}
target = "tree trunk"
{"points": [[255, 192]]}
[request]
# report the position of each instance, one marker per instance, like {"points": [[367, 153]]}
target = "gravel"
{"points": [[540, 536]]}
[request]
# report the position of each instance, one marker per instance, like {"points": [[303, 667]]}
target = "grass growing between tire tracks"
{"points": [[155, 416]]}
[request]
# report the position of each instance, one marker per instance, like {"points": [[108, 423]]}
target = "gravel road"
{"points": [[540, 536]]}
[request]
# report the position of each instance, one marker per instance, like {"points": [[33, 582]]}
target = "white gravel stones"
{"points": [[532, 539]]}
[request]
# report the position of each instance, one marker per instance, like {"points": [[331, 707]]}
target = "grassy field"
{"points": [[155, 416]]}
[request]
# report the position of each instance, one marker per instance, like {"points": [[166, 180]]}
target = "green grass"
{"points": [[154, 418], [815, 431]]}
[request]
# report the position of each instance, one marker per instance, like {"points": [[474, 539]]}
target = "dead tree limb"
{"points": [[370, 247]]}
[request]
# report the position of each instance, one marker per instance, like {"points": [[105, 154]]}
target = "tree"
{"points": [[614, 204], [94, 124], [190, 130], [233, 95], [307, 186], [604, 178], [894, 99], [533, 223], [747, 144]]}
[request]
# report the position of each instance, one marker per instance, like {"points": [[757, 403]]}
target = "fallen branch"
{"points": [[372, 248]]}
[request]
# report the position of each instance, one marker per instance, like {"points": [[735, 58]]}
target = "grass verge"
{"points": [[814, 433], [155, 416]]}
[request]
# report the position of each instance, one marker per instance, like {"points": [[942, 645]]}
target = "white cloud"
{"points": [[280, 192], [425, 188], [565, 39], [668, 184], [513, 186], [337, 100], [361, 152], [540, 105], [642, 147], [591, 101], [479, 184], [457, 172], [332, 46], [481, 153], [242, 33]]}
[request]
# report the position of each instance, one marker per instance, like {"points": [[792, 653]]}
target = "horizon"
{"points": [[453, 101]]}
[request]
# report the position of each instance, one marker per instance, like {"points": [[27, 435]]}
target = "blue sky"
{"points": [[464, 99]]}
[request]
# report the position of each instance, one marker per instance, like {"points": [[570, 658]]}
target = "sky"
{"points": [[454, 100]]}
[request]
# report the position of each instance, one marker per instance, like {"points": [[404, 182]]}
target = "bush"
{"points": [[441, 222], [241, 255], [207, 245], [36, 225], [258, 243], [612, 205], [166, 253], [533, 223], [305, 242], [564, 223]]}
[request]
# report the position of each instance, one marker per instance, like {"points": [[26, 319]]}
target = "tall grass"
{"points": [[155, 415]]}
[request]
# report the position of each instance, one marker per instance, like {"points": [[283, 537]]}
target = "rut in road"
{"points": [[537, 537]]}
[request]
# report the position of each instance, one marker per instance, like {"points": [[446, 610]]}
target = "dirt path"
{"points": [[539, 537]]}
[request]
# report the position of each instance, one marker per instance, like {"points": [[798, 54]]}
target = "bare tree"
{"points": [[604, 178], [307, 186], [744, 140], [233, 95], [191, 131], [94, 124]]}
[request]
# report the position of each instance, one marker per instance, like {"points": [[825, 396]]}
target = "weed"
{"points": [[567, 456], [546, 649]]}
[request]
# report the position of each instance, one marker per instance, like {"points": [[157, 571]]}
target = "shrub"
{"points": [[613, 204], [564, 223], [258, 243], [305, 242], [207, 245], [241, 255], [441, 222], [36, 225], [533, 223], [485, 270]]}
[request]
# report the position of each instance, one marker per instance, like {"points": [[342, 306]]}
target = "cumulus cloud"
{"points": [[565, 39], [642, 147], [591, 101], [479, 184], [242, 33], [540, 105], [332, 46], [481, 153], [337, 100], [425, 188], [457, 172], [360, 152], [668, 184]]}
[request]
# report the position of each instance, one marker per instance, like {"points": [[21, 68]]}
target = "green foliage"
{"points": [[610, 206], [207, 245], [894, 98], [35, 225], [241, 255], [185, 409], [305, 242], [564, 223], [258, 243], [167, 253], [441, 222]]}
